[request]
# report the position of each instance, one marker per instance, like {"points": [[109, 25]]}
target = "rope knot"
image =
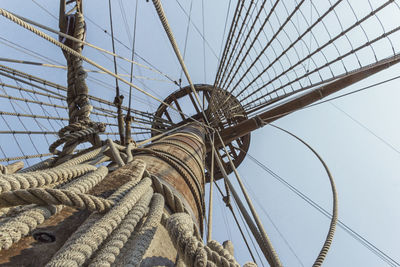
{"points": [[76, 133], [118, 100]]}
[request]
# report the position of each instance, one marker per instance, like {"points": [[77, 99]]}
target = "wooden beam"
{"points": [[249, 125]]}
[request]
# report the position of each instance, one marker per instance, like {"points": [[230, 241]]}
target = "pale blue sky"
{"points": [[364, 167]]}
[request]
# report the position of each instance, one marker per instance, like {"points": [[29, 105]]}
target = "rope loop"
{"points": [[72, 137]]}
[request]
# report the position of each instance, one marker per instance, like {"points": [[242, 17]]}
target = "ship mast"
{"points": [[147, 205]]}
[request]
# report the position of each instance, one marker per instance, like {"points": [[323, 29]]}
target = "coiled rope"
{"points": [[27, 220], [103, 236], [191, 250], [111, 248], [10, 182]]}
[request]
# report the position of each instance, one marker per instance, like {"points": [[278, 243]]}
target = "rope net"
{"points": [[276, 49]]}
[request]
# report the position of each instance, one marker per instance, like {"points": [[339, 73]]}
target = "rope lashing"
{"points": [[17, 181], [73, 139], [111, 248], [27, 220], [77, 94], [191, 181], [191, 250], [142, 238], [220, 250], [87, 239], [92, 219], [80, 128], [184, 149]]}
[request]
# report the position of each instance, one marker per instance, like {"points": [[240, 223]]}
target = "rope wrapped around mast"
{"points": [[80, 128], [114, 236]]}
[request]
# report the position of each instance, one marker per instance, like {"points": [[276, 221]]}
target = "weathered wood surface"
{"points": [[52, 234]]}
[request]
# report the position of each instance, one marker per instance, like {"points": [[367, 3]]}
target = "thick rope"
{"points": [[220, 250], [111, 248], [180, 229], [128, 151], [115, 153], [93, 218], [49, 196], [18, 181], [76, 253], [191, 250], [191, 181], [145, 235], [38, 166], [332, 227], [250, 264], [173, 200], [26, 221], [11, 168], [73, 139], [84, 157]]}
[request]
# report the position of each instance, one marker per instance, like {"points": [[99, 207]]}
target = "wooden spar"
{"points": [[186, 145], [245, 127]]}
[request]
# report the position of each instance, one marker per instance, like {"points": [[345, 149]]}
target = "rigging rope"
{"points": [[128, 118], [118, 97], [128, 204], [264, 243], [83, 42], [168, 31], [238, 225], [259, 231], [328, 241], [315, 205], [68, 50]]}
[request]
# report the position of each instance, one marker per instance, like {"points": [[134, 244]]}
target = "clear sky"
{"points": [[356, 135]]}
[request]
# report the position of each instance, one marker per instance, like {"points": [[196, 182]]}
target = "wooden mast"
{"points": [[176, 159]]}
